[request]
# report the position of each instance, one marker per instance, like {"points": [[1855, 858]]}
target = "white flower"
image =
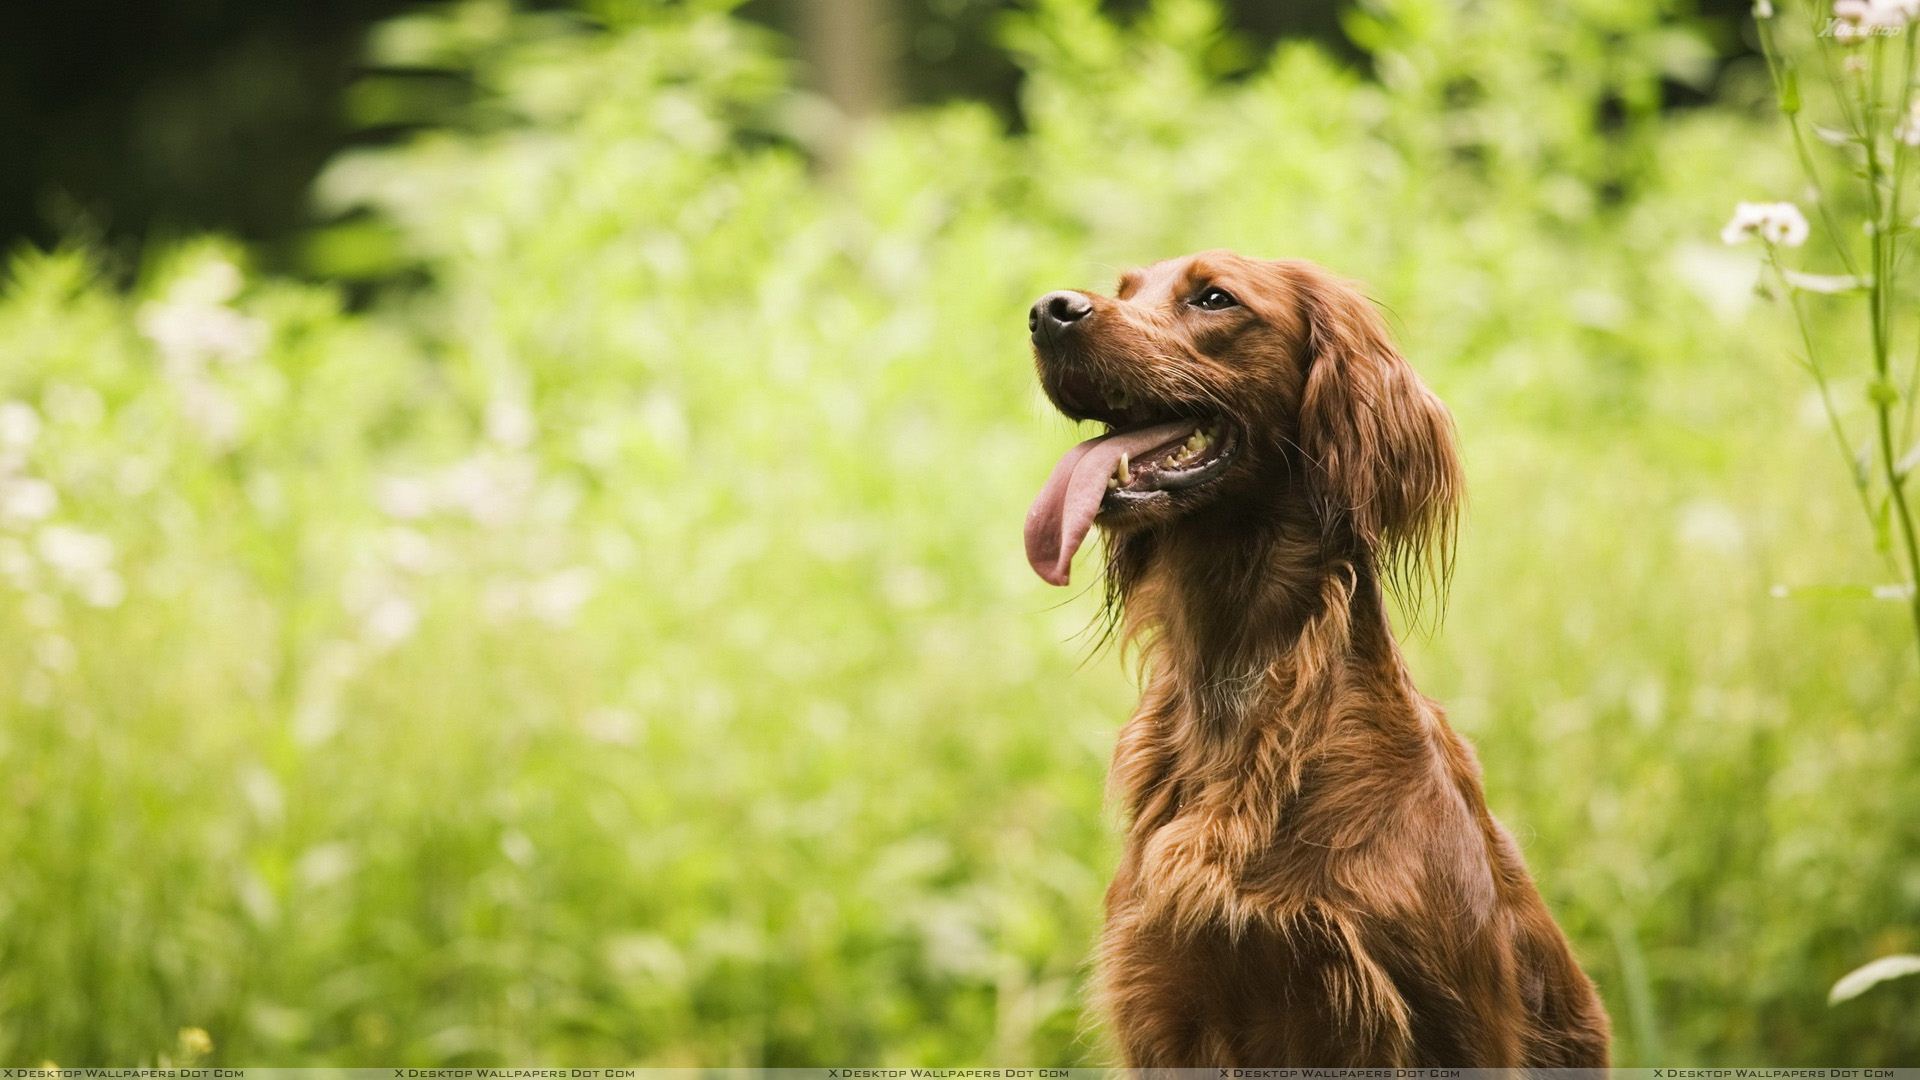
{"points": [[211, 410], [409, 549], [84, 561], [509, 424], [557, 598], [1776, 223], [74, 552], [1908, 129], [617, 726], [489, 488], [26, 500], [104, 589], [215, 281], [189, 333], [19, 425], [194, 321], [405, 497], [391, 620], [1856, 20], [1762, 9]]}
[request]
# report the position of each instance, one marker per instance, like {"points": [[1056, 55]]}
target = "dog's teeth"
{"points": [[1120, 472]]}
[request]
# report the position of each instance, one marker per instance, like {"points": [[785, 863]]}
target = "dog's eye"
{"points": [[1214, 298]]}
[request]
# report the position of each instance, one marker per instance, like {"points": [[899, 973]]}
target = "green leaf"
{"points": [[1907, 462], [1867, 976], [1827, 283], [1789, 90], [1834, 136]]}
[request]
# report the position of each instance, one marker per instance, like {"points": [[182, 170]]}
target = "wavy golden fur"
{"points": [[1311, 876]]}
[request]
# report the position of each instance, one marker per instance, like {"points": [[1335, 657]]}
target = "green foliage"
{"points": [[620, 650]]}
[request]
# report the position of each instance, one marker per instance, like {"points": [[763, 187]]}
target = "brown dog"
{"points": [[1311, 877]]}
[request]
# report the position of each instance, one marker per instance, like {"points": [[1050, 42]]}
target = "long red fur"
{"points": [[1311, 876]]}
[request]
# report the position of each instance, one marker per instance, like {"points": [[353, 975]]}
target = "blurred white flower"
{"points": [[517, 847], [619, 727], [510, 424], [1710, 525], [326, 864], [187, 334], [264, 794], [1857, 20], [1908, 129], [211, 410], [490, 488], [104, 589], [1778, 223], [214, 281], [557, 598], [19, 425], [193, 324], [405, 497], [390, 621], [409, 549], [1762, 9], [25, 500], [74, 552], [136, 475], [84, 561]]}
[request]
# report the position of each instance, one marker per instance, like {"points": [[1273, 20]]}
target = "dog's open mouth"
{"points": [[1130, 466]]}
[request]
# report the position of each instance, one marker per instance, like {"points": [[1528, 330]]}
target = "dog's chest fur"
{"points": [[1312, 877]]}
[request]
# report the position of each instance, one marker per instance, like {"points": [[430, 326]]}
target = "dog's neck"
{"points": [[1251, 624]]}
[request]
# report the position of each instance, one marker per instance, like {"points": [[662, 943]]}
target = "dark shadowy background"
{"points": [[122, 118]]}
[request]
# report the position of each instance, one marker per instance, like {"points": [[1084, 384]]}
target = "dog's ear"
{"points": [[1380, 458]]}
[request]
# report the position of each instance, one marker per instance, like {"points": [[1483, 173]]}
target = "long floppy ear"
{"points": [[1382, 467]]}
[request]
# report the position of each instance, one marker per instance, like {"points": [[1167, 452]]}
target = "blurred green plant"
{"points": [[613, 644]]}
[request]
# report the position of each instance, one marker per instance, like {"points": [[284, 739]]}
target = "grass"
{"points": [[618, 649]]}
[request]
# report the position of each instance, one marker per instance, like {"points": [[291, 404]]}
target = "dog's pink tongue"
{"points": [[1065, 508]]}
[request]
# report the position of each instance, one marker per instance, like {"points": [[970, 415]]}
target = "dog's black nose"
{"points": [[1057, 311]]}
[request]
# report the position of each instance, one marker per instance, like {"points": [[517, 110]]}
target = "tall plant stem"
{"points": [[1819, 376], [1786, 83], [1883, 247]]}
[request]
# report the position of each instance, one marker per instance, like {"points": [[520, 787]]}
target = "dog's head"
{"points": [[1240, 385]]}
